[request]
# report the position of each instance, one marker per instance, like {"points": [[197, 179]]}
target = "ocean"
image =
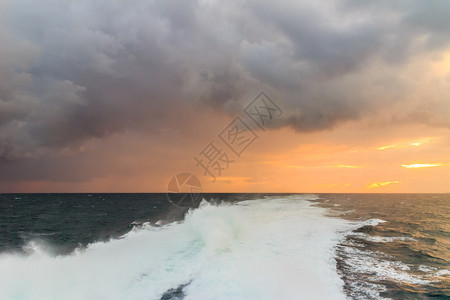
{"points": [[232, 246]]}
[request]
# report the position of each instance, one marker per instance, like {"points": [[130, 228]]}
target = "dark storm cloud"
{"points": [[71, 71], [322, 58]]}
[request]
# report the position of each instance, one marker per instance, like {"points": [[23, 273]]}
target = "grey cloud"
{"points": [[71, 71]]}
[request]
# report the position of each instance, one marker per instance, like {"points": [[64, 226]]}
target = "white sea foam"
{"points": [[372, 222], [275, 248], [426, 269], [443, 272], [381, 239], [380, 267]]}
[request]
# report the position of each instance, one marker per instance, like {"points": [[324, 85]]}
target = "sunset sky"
{"points": [[120, 96]]}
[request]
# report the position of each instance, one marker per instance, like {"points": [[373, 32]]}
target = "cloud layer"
{"points": [[72, 71]]}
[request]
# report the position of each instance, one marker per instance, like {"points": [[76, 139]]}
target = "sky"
{"points": [[120, 96]]}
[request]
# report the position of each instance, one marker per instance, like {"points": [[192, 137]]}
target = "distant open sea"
{"points": [[233, 246]]}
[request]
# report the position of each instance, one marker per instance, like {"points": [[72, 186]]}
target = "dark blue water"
{"points": [[72, 220]]}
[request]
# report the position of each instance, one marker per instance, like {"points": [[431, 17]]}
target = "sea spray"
{"points": [[278, 247]]}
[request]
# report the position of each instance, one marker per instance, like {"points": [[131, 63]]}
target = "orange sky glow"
{"points": [[345, 160]]}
